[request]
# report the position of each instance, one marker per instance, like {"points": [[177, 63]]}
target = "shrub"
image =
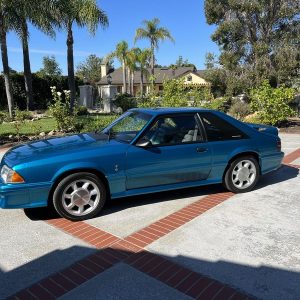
{"points": [[4, 117], [272, 104], [125, 101], [82, 111], [60, 110], [178, 94], [221, 104], [239, 110]]}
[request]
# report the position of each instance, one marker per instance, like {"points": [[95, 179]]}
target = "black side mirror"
{"points": [[144, 143]]}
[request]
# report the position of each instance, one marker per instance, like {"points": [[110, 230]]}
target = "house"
{"points": [[115, 78]]}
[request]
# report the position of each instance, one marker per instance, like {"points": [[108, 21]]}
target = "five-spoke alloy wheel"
{"points": [[79, 196], [242, 174]]}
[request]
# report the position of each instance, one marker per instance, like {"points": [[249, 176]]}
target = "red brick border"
{"points": [[291, 157], [85, 232]]}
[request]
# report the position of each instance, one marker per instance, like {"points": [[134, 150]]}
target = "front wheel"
{"points": [[242, 174], [79, 196]]}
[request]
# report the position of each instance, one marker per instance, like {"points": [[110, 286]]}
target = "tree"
{"points": [[5, 25], [152, 32], [251, 36], [84, 13], [50, 67], [35, 12], [143, 61], [121, 54], [90, 69]]}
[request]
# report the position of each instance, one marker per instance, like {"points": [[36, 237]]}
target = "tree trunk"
{"points": [[142, 82], [70, 58], [132, 83], [8, 88], [152, 58], [152, 66], [27, 69], [129, 81], [124, 77]]}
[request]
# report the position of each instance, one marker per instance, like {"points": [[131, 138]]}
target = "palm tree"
{"points": [[5, 22], [152, 32], [121, 54], [131, 62], [143, 61], [84, 13], [37, 14]]}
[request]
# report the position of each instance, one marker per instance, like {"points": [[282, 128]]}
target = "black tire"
{"points": [[229, 176], [59, 199]]}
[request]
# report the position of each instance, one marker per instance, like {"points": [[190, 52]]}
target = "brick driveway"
{"points": [[202, 243]]}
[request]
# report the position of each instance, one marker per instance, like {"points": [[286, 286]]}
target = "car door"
{"points": [[224, 139], [178, 153]]}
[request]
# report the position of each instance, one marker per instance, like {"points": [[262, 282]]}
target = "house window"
{"points": [[189, 78], [161, 88]]}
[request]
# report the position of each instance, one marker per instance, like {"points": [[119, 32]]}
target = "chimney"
{"points": [[104, 70]]}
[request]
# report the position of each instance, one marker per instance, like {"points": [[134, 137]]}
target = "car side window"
{"points": [[174, 130], [218, 129]]}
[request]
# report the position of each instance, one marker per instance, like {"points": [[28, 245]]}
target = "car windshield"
{"points": [[128, 126]]}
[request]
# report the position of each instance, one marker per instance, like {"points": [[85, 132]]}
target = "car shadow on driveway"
{"points": [[123, 282], [284, 173]]}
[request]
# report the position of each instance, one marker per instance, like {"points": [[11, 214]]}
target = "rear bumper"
{"points": [[271, 162], [24, 195]]}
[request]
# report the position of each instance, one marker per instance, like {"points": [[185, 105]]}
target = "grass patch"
{"points": [[90, 123]]}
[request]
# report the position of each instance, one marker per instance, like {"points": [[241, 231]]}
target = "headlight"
{"points": [[10, 176]]}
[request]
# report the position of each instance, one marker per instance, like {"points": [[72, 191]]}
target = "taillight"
{"points": [[279, 145]]}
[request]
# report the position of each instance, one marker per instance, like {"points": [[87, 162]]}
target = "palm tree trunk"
{"points": [[142, 82], [6, 74], [129, 81], [124, 77], [152, 58], [152, 66], [132, 83], [27, 69], [70, 58]]}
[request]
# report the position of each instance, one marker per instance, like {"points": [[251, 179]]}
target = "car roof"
{"points": [[170, 110]]}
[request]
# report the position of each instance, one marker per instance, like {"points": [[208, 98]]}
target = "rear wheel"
{"points": [[242, 174], [79, 196]]}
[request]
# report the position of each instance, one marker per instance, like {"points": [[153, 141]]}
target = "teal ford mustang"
{"points": [[143, 151]]}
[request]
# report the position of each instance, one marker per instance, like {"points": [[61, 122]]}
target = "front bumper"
{"points": [[24, 195]]}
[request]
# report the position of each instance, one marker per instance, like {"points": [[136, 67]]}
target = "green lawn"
{"points": [[48, 124]]}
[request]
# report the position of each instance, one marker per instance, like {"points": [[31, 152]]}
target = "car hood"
{"points": [[55, 146]]}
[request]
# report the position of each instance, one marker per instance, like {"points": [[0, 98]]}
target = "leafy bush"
{"points": [[125, 101], [4, 117], [60, 110], [178, 94], [221, 104], [239, 110], [272, 104], [82, 111]]}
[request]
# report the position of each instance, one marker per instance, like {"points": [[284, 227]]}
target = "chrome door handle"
{"points": [[199, 149]]}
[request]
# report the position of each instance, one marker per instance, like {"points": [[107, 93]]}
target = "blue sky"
{"points": [[184, 19]]}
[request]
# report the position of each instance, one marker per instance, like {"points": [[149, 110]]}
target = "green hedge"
{"points": [[41, 90]]}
